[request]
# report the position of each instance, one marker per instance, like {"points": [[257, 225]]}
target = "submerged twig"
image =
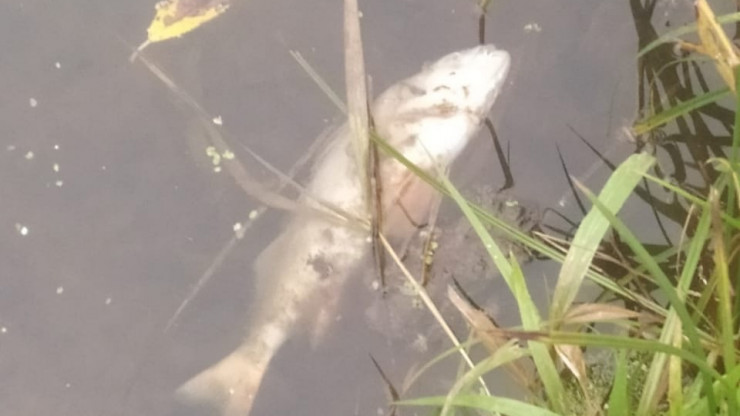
{"points": [[392, 391]]}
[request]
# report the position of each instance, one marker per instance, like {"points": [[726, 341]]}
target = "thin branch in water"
{"points": [[569, 178], [392, 391], [505, 168]]}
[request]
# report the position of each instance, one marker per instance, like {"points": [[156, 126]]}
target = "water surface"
{"points": [[109, 217]]}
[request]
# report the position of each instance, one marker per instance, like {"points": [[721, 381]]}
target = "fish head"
{"points": [[469, 80], [437, 111]]}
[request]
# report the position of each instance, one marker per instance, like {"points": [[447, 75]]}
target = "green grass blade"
{"points": [[411, 380], [698, 406], [735, 151], [593, 227], [531, 321], [498, 257], [505, 354], [618, 399], [514, 278], [663, 283], [733, 174], [676, 111], [672, 330], [489, 404], [674, 34], [724, 286], [629, 343], [731, 221]]}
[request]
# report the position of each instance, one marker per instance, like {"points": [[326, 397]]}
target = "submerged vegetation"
{"points": [[662, 338]]}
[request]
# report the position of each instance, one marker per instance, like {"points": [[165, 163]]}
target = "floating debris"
{"points": [[239, 230], [217, 157], [22, 229], [532, 27], [174, 18]]}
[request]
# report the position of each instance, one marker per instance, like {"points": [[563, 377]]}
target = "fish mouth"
{"points": [[487, 60], [487, 68], [498, 62], [473, 77]]}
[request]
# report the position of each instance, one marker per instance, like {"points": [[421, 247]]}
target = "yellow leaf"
{"points": [[174, 18], [715, 44]]}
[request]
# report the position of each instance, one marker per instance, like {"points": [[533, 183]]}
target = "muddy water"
{"points": [[107, 218]]}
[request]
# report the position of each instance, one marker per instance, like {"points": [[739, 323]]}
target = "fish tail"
{"points": [[229, 385]]}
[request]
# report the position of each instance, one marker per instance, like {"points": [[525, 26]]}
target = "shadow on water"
{"points": [[665, 78]]}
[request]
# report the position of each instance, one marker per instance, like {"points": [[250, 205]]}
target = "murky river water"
{"points": [[107, 219]]}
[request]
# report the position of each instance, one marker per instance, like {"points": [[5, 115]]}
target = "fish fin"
{"points": [[229, 386], [325, 316], [408, 209]]}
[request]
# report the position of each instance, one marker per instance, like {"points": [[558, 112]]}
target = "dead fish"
{"points": [[429, 118]]}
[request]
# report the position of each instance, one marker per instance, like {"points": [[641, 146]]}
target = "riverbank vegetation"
{"points": [[662, 336]]}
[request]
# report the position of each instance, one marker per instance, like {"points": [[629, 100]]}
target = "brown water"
{"points": [[97, 253]]}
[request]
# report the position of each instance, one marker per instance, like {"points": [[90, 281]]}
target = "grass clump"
{"points": [[662, 338]]}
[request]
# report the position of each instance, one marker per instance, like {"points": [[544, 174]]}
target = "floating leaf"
{"points": [[174, 18]]}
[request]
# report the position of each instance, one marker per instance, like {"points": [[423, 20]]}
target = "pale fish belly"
{"points": [[429, 118]]}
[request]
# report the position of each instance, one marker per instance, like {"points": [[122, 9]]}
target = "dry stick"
{"points": [[366, 154], [357, 111]]}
